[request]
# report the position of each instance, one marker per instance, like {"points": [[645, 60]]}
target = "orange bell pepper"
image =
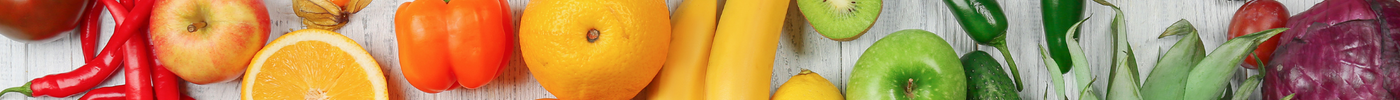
{"points": [[469, 41]]}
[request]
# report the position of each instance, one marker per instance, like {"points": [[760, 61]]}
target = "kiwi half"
{"points": [[841, 20]]}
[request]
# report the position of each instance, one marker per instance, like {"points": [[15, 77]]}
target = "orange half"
{"points": [[314, 64]]}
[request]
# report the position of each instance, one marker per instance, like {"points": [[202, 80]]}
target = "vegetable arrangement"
{"points": [[1339, 50], [134, 54], [1178, 76], [1185, 73], [446, 44], [986, 24]]}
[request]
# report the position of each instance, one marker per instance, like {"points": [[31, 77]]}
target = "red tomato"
{"points": [[32, 20], [1255, 16], [467, 42]]}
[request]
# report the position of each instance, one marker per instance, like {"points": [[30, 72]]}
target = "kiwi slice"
{"points": [[841, 20]]}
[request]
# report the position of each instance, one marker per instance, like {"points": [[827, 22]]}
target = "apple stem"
{"points": [[195, 26], [909, 88]]}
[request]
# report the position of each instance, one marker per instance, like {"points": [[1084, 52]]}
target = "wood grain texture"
{"points": [[800, 47]]}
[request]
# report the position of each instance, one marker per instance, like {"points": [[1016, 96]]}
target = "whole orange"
{"points": [[595, 49]]}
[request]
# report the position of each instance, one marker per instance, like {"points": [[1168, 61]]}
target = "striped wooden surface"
{"points": [[800, 48]]}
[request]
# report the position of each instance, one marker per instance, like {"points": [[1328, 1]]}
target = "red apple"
{"points": [[208, 41]]}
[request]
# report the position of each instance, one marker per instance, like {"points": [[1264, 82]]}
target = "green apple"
{"points": [[208, 41], [908, 65]]}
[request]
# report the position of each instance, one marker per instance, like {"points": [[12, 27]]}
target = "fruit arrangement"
{"points": [[705, 49]]}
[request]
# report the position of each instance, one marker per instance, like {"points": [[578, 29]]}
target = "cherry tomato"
{"points": [[1255, 16]]}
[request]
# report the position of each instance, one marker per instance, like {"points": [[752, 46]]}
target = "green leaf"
{"points": [[1168, 80], [1227, 94], [1076, 54], [1181, 27], [1122, 83], [1207, 79], [1084, 93], [1123, 76], [1250, 84], [1055, 77], [1289, 97], [1105, 3]]}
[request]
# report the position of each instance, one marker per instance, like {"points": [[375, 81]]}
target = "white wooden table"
{"points": [[799, 48]]}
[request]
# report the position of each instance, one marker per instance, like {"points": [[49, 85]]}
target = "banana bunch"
{"points": [[327, 14]]}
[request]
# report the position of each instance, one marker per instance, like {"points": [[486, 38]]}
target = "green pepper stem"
{"points": [[1010, 62], [22, 90]]}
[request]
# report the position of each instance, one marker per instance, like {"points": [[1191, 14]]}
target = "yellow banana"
{"points": [[741, 61], [693, 30]]}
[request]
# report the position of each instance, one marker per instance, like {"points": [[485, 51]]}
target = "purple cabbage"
{"points": [[1338, 50]]}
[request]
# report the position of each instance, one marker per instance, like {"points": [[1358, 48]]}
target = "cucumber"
{"points": [[985, 78]]}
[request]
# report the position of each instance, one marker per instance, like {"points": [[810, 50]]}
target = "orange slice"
{"points": [[313, 64]]}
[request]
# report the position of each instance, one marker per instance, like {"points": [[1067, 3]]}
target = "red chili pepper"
{"points": [[106, 93], [167, 85], [116, 93], [140, 16], [128, 3], [138, 68], [118, 12], [92, 25], [76, 81]]}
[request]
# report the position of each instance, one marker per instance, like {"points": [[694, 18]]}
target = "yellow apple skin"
{"points": [[219, 49]]}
